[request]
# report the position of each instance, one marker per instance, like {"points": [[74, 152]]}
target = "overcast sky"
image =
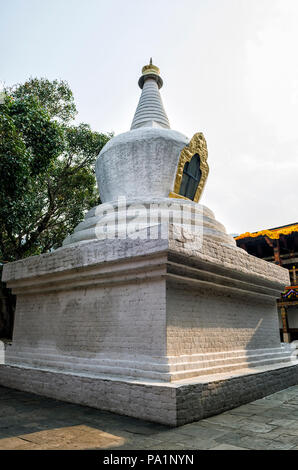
{"points": [[230, 70]]}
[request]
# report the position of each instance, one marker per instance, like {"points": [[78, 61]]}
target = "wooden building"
{"points": [[279, 245]]}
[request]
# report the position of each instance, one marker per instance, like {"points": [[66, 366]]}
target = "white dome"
{"points": [[138, 163]]}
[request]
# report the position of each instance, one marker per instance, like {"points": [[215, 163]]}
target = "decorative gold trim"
{"points": [[197, 145], [273, 234], [175, 195], [150, 68]]}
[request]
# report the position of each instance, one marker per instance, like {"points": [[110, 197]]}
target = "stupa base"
{"points": [[172, 404], [168, 330]]}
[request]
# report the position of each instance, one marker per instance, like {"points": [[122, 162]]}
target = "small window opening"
{"points": [[191, 178]]}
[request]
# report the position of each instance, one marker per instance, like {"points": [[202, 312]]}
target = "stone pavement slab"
{"points": [[29, 421]]}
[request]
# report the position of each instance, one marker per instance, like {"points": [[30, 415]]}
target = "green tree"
{"points": [[46, 168]]}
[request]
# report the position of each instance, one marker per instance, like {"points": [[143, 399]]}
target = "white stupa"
{"points": [[144, 312]]}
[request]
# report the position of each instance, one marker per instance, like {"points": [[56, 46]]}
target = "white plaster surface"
{"points": [[124, 219], [150, 111]]}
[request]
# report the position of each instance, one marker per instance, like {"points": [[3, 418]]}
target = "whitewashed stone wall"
{"points": [[123, 319], [209, 320]]}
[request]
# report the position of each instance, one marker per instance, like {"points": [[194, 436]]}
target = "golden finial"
{"points": [[150, 71], [150, 68]]}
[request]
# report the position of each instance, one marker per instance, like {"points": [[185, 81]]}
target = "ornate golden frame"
{"points": [[197, 145]]}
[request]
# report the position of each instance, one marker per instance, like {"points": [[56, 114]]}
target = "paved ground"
{"points": [[31, 422]]}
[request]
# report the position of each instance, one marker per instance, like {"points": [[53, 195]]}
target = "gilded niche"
{"points": [[192, 170]]}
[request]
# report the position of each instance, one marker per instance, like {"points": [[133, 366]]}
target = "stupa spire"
{"points": [[150, 111]]}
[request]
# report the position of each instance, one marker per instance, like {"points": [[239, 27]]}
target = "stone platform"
{"points": [[47, 424], [169, 330], [173, 404]]}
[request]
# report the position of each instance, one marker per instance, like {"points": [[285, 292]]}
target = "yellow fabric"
{"points": [[273, 234]]}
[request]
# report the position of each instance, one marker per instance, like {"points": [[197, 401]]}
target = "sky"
{"points": [[230, 70]]}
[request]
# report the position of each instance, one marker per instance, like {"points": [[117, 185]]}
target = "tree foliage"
{"points": [[54, 96], [46, 168]]}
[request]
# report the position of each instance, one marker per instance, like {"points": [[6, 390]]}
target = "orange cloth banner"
{"points": [[273, 234]]}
